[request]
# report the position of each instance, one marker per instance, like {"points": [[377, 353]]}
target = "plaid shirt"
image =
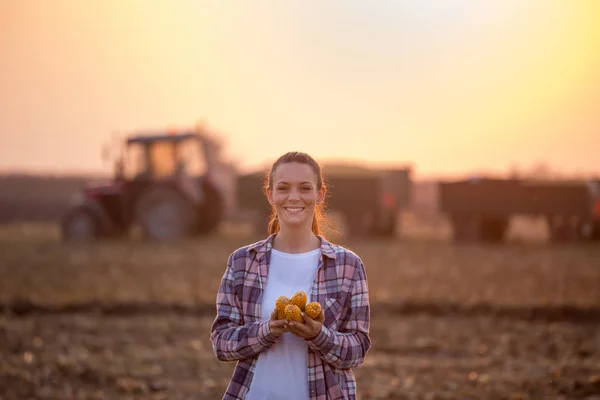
{"points": [[239, 334]]}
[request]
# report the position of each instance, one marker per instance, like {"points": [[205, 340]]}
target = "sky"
{"points": [[448, 87]]}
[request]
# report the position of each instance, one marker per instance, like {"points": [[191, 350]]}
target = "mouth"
{"points": [[294, 210]]}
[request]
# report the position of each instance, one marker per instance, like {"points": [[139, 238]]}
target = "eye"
{"points": [[306, 188]]}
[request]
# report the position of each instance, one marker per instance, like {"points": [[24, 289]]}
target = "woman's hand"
{"points": [[277, 325], [307, 330]]}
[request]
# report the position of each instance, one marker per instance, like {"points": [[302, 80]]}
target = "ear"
{"points": [[270, 196]]}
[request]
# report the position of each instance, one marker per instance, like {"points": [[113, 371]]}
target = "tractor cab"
{"points": [[162, 156], [162, 182]]}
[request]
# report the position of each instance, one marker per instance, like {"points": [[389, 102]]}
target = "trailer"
{"points": [[368, 200], [480, 209]]}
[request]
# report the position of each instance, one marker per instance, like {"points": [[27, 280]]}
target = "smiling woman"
{"points": [[303, 358], [296, 191]]}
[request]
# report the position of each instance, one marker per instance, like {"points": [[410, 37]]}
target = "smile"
{"points": [[294, 209]]}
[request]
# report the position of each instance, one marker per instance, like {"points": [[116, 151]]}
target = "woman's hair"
{"points": [[301, 158]]}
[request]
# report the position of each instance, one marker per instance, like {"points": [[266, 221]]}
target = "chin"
{"points": [[295, 223]]}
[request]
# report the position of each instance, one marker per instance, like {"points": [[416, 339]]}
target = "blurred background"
{"points": [[458, 139]]}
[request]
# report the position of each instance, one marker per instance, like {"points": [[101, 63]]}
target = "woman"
{"points": [[282, 359]]}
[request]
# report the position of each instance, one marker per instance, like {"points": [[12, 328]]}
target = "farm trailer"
{"points": [[368, 200], [480, 209]]}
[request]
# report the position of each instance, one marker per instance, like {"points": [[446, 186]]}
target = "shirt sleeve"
{"points": [[347, 347], [232, 340]]}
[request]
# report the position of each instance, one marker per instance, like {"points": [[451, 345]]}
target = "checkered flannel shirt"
{"points": [[238, 333]]}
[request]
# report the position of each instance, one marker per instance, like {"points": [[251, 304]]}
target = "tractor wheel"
{"points": [[79, 225], [211, 212], [163, 214]]}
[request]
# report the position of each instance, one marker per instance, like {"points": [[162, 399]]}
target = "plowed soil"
{"points": [[128, 319]]}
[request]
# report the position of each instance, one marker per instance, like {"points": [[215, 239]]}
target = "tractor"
{"points": [[163, 184]]}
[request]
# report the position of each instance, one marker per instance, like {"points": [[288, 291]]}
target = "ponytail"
{"points": [[273, 223]]}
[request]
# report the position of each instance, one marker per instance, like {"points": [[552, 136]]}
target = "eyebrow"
{"points": [[287, 183]]}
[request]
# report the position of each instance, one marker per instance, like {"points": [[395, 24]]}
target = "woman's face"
{"points": [[294, 194]]}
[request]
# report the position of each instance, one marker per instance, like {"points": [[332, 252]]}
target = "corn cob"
{"points": [[292, 312], [299, 299], [313, 309], [280, 304]]}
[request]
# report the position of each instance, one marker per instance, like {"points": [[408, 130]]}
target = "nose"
{"points": [[294, 195]]}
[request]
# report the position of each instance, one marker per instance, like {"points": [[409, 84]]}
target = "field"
{"points": [[131, 319]]}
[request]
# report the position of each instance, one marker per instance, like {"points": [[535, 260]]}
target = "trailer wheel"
{"points": [[493, 229], [596, 231], [383, 224], [466, 227], [260, 223], [563, 229], [355, 225], [589, 231]]}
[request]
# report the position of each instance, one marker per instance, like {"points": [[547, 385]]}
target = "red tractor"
{"points": [[163, 184]]}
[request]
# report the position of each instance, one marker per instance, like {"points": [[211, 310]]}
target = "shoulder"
{"points": [[239, 256], [350, 271], [343, 255]]}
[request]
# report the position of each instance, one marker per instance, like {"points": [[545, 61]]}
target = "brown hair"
{"points": [[301, 158]]}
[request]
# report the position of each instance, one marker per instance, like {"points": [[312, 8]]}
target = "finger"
{"points": [[298, 328], [276, 327], [295, 331], [290, 326], [280, 323], [307, 319]]}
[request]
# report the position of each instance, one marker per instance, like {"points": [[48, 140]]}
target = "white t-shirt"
{"points": [[282, 371]]}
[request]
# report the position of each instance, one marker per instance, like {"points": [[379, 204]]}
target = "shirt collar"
{"points": [[264, 246]]}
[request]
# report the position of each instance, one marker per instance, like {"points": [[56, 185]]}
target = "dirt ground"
{"points": [[131, 320], [168, 356]]}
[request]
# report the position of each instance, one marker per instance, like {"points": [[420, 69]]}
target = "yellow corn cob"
{"points": [[280, 304], [313, 309], [292, 312], [299, 299]]}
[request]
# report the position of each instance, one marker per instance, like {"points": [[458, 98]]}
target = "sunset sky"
{"points": [[450, 86]]}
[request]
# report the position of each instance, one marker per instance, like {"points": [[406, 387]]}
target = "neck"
{"points": [[295, 241]]}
